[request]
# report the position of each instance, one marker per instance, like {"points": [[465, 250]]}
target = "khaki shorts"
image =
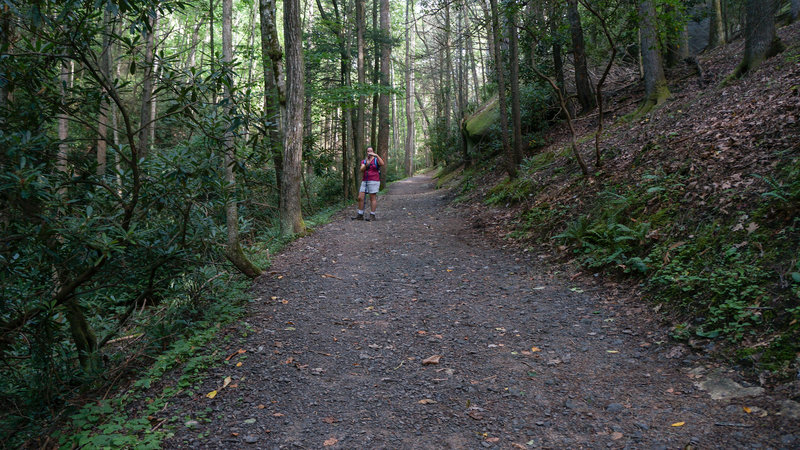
{"points": [[370, 187]]}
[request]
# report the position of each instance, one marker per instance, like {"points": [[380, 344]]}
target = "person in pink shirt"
{"points": [[370, 183]]}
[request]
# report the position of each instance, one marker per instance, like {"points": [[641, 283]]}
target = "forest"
{"points": [[158, 154]]}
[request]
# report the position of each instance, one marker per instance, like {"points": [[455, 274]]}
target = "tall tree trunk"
{"points": [[383, 107], [291, 211], [511, 167], [447, 91], [7, 37], [373, 136], [655, 84], [105, 106], [516, 115], [233, 248], [146, 115], [358, 130], [794, 13], [410, 128], [583, 83], [190, 57], [716, 32], [67, 71], [558, 65], [274, 88], [760, 40], [395, 125]]}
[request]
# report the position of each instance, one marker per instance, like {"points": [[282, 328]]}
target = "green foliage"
{"points": [[509, 191]]}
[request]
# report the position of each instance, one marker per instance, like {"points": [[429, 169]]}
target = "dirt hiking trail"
{"points": [[412, 332]]}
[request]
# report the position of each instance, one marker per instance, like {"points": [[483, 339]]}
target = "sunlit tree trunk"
{"points": [[655, 84], [65, 85], [291, 212], [105, 106], [760, 40], [373, 135], [383, 107]]}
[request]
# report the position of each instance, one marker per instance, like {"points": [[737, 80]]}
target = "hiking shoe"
{"points": [[369, 217], [357, 217]]}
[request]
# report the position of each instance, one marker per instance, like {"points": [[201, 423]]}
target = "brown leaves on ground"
{"points": [[330, 442]]}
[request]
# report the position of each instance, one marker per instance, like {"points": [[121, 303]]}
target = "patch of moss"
{"points": [[487, 115]]}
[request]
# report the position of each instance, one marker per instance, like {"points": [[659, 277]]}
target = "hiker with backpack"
{"points": [[370, 183]]}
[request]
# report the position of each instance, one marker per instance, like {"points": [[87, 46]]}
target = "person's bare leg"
{"points": [[373, 203], [360, 201]]}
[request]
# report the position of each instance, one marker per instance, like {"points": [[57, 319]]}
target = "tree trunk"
{"points": [[516, 115], [7, 37], [794, 11], [274, 88], [511, 167], [583, 83], [558, 63], [383, 107], [760, 40], [105, 105], [67, 71], [291, 211], [373, 135], [655, 84], [233, 248], [716, 32], [410, 129], [190, 57], [358, 130], [146, 115]]}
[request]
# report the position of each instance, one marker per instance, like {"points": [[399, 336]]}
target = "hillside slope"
{"points": [[694, 209]]}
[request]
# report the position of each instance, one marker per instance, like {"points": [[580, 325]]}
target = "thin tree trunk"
{"points": [[7, 38], [146, 115], [511, 167], [67, 71], [358, 130], [373, 135], [410, 127], [516, 114], [233, 248], [105, 105], [383, 107], [795, 10], [291, 212]]}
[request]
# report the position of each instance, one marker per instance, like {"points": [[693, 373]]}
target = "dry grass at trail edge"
{"points": [[694, 208]]}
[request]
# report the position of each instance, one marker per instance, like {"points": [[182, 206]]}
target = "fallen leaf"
{"points": [[226, 382], [261, 407], [239, 364], [285, 302], [678, 424], [212, 394], [612, 351], [329, 420], [237, 352], [273, 298], [475, 415], [493, 439], [746, 409], [234, 434], [330, 442], [432, 360], [426, 401], [277, 415], [616, 435], [280, 277], [516, 445]]}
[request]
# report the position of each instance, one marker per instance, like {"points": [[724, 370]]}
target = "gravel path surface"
{"points": [[412, 332]]}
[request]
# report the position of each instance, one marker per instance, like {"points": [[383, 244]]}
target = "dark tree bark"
{"points": [[583, 83], [760, 39], [516, 114], [794, 12], [558, 63], [511, 167], [291, 212], [383, 107], [274, 88], [655, 84]]}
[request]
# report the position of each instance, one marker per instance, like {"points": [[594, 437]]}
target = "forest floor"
{"points": [[413, 331]]}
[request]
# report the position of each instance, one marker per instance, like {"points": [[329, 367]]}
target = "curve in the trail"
{"points": [[412, 332]]}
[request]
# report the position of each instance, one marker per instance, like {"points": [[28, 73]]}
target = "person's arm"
{"points": [[380, 161], [363, 166]]}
